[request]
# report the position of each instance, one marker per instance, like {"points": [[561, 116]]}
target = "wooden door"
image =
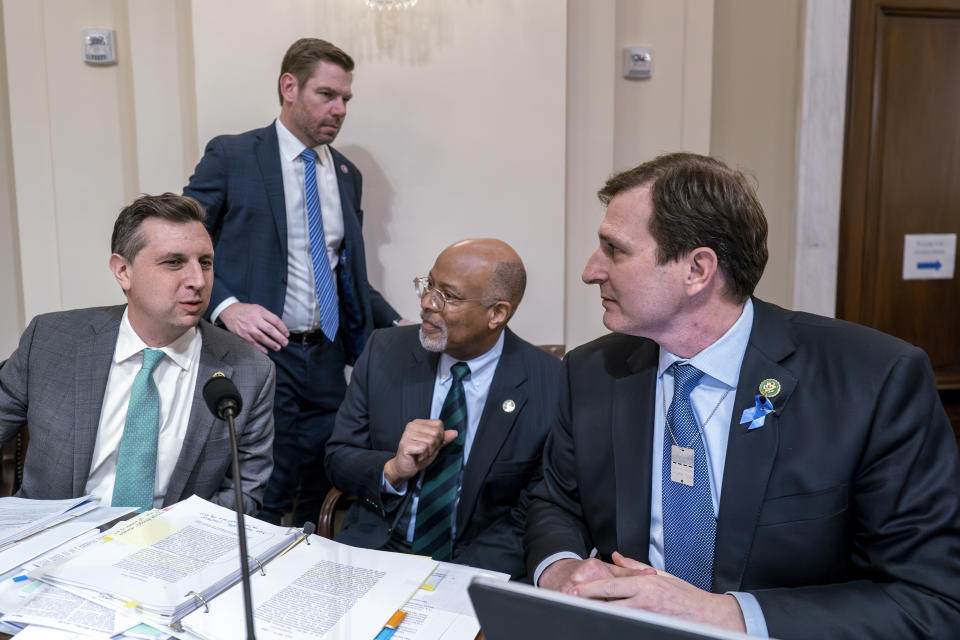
{"points": [[902, 171]]}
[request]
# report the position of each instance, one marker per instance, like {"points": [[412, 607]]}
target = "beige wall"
{"points": [[484, 117], [757, 69], [11, 312]]}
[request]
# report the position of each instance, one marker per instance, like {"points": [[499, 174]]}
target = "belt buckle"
{"points": [[311, 337]]}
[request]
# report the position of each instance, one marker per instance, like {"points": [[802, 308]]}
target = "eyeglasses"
{"points": [[439, 299]]}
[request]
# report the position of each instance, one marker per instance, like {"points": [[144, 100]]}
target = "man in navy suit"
{"points": [[734, 463], [392, 434], [283, 209]]}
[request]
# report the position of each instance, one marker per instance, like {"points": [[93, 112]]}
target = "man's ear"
{"points": [[703, 269], [498, 314], [289, 87], [121, 271]]}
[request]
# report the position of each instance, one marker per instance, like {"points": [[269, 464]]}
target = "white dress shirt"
{"points": [[301, 311], [176, 379], [476, 388]]}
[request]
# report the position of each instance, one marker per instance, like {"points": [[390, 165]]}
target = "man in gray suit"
{"points": [[113, 395]]}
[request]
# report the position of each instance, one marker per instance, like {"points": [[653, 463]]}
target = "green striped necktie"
{"points": [[437, 507]]}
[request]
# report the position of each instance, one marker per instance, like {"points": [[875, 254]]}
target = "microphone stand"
{"points": [[227, 413]]}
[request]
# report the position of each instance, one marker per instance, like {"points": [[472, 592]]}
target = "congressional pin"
{"points": [[219, 374], [770, 387], [343, 169], [508, 406]]}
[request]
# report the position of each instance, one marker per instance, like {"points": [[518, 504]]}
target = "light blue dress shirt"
{"points": [[476, 388], [721, 363]]}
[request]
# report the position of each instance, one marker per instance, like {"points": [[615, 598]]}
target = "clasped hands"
{"points": [[634, 584], [419, 445]]}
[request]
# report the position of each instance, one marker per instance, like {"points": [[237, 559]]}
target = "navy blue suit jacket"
{"points": [[841, 514], [393, 384], [240, 185]]}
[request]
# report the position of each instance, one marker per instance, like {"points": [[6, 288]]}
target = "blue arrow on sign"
{"points": [[929, 265]]}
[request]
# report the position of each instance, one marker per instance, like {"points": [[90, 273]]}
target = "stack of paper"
{"points": [[16, 590], [441, 609], [21, 518], [166, 563], [324, 590]]}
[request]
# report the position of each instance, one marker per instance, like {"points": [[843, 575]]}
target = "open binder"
{"points": [[166, 563], [319, 589]]}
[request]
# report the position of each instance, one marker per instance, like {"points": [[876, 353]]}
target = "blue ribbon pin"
{"points": [[758, 414]]}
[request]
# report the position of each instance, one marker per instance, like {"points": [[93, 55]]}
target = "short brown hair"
{"points": [[304, 54], [698, 201], [127, 239]]}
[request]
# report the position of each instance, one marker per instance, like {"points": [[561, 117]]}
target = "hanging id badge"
{"points": [[681, 464]]}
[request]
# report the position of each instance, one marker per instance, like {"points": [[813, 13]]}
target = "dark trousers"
{"points": [[310, 388]]}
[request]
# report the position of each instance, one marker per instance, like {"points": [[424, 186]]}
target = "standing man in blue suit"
{"points": [[283, 209]]}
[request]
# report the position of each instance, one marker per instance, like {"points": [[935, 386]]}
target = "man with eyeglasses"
{"points": [[442, 427]]}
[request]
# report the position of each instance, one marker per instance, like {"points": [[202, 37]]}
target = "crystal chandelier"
{"points": [[381, 5]]}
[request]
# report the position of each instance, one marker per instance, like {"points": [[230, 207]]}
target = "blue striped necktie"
{"points": [[322, 274], [689, 526], [437, 506], [137, 459]]}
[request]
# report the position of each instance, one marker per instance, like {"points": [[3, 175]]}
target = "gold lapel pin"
{"points": [[508, 406], [770, 387], [219, 374]]}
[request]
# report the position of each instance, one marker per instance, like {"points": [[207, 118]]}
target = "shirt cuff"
{"points": [[549, 560], [220, 307], [387, 488], [753, 617]]}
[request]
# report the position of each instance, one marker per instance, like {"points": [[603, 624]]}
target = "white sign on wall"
{"points": [[929, 256]]}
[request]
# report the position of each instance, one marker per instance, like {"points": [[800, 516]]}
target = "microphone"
{"points": [[225, 402], [222, 397]]}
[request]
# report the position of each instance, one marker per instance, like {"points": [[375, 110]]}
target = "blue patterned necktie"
{"points": [[689, 526], [436, 509], [137, 458], [322, 274]]}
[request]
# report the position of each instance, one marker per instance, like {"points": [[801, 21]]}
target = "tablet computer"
{"points": [[514, 611]]}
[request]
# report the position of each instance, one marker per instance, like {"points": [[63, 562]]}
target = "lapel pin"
{"points": [[770, 387], [343, 169], [219, 374], [508, 406]]}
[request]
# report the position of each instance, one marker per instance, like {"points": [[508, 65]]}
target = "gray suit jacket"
{"points": [[55, 382]]}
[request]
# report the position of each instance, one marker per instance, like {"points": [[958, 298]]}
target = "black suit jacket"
{"points": [[239, 182], [392, 384], [841, 514]]}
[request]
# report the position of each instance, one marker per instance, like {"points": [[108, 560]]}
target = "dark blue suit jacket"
{"points": [[239, 183], [841, 514], [391, 385]]}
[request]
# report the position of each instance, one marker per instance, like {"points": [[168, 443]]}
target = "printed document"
{"points": [[321, 591]]}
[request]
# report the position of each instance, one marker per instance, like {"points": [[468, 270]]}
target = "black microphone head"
{"points": [[222, 396]]}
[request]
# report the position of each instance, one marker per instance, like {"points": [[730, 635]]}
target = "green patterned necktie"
{"points": [[436, 509], [137, 459]]}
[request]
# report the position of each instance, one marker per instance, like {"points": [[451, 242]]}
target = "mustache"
{"points": [[432, 319]]}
